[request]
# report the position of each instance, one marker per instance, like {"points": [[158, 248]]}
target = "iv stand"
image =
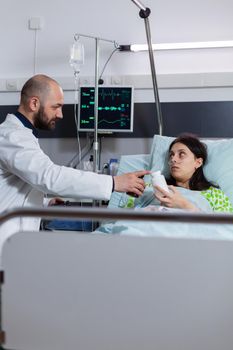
{"points": [[144, 13], [96, 143]]}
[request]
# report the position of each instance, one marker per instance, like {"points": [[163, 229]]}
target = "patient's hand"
{"points": [[131, 182], [174, 199]]}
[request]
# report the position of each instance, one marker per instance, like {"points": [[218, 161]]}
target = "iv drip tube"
{"points": [[95, 143]]}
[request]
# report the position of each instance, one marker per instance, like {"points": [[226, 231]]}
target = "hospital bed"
{"points": [[218, 170], [70, 290]]}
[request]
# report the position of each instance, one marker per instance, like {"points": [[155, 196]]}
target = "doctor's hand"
{"points": [[173, 199], [131, 182], [55, 201]]}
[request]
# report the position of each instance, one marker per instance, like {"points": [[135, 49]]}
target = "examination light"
{"points": [[178, 46]]}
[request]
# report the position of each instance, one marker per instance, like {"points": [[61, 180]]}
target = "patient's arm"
{"points": [[174, 199]]}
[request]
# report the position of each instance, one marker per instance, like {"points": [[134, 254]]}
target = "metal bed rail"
{"points": [[115, 214], [103, 214]]}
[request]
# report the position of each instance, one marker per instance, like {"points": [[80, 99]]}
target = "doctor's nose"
{"points": [[59, 113]]}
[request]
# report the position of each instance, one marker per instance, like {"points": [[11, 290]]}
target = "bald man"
{"points": [[27, 173]]}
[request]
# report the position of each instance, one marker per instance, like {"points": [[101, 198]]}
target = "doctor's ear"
{"points": [[34, 103]]}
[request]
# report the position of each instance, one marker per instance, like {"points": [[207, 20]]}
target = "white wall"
{"points": [[170, 21], [197, 75]]}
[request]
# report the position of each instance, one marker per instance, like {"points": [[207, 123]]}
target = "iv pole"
{"points": [[144, 13], [96, 143]]}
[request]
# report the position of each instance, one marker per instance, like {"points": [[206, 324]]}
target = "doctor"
{"points": [[27, 173]]}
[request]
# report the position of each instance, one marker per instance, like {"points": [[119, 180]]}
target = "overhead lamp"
{"points": [[178, 46]]}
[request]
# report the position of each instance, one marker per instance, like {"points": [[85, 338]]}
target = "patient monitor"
{"points": [[115, 109]]}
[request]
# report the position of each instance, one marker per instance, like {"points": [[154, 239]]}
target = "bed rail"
{"points": [[115, 214], [180, 285]]}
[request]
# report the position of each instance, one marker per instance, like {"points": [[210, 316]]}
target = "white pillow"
{"points": [[127, 164], [218, 168], [159, 154]]}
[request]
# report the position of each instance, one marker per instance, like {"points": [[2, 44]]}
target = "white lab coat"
{"points": [[27, 173]]}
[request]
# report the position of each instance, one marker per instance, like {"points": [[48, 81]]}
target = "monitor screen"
{"points": [[115, 109]]}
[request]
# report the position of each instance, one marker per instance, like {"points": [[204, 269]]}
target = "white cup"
{"points": [[159, 180]]}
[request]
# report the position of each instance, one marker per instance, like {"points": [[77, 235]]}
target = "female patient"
{"points": [[187, 155]]}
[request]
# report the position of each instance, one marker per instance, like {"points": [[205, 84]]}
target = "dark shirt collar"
{"points": [[26, 123]]}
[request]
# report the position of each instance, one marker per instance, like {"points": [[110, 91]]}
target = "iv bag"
{"points": [[76, 56]]}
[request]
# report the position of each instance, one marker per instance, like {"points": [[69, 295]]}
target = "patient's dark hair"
{"points": [[198, 181]]}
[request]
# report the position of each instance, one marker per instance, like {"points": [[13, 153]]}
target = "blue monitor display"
{"points": [[115, 109]]}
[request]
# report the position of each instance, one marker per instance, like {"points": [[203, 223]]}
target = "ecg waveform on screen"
{"points": [[114, 108], [111, 122], [108, 108], [106, 123], [103, 95]]}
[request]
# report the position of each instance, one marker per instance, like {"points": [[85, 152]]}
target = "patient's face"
{"points": [[182, 162]]}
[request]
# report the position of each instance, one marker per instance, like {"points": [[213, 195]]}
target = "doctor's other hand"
{"points": [[131, 182], [55, 201]]}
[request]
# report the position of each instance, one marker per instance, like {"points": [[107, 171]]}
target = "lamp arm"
{"points": [[139, 4], [144, 13], [154, 79]]}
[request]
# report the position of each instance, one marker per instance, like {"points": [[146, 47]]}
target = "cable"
{"points": [[35, 53], [76, 116], [100, 152], [76, 61], [72, 162], [81, 152], [116, 49], [85, 151]]}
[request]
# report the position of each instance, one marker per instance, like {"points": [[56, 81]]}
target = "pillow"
{"points": [[218, 168], [127, 164], [159, 154]]}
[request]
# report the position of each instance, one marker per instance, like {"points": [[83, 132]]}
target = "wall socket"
{"points": [[35, 23], [11, 85], [85, 81], [117, 80]]}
